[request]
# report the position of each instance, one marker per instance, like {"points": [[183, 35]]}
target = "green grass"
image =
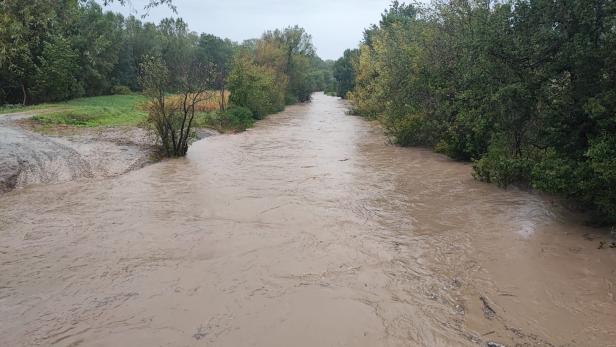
{"points": [[112, 110], [8, 109]]}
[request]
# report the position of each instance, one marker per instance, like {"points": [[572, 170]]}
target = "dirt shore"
{"points": [[32, 154]]}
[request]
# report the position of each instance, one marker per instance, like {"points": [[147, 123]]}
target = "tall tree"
{"points": [[344, 72]]}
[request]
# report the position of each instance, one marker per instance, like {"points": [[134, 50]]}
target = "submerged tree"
{"points": [[344, 72], [172, 117]]}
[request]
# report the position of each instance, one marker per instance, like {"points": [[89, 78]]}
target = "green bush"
{"points": [[591, 181], [501, 170], [499, 166], [255, 87], [234, 118], [290, 99], [121, 90], [408, 130]]}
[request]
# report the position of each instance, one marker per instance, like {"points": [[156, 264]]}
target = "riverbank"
{"points": [[31, 154], [94, 137], [97, 111]]}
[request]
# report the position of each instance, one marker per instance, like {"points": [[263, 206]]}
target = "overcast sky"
{"points": [[335, 25]]}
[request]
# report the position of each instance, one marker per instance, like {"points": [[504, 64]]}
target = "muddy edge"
{"points": [[33, 154]]}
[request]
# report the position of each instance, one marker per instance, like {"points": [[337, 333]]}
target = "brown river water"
{"points": [[307, 230]]}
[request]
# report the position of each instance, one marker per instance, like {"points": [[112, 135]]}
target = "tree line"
{"points": [[58, 50], [278, 69], [525, 89]]}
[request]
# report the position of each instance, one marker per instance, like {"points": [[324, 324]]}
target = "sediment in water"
{"points": [[307, 230]]}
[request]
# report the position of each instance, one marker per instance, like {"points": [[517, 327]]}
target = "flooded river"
{"points": [[308, 230]]}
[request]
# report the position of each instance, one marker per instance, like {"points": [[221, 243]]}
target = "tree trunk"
{"points": [[222, 98], [223, 76], [25, 94]]}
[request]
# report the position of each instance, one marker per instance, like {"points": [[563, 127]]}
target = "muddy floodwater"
{"points": [[307, 230]]}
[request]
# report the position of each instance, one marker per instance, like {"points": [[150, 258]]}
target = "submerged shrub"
{"points": [[499, 166], [172, 118], [234, 118], [408, 130]]}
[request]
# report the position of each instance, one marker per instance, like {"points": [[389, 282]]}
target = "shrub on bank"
{"points": [[120, 90], [232, 119]]}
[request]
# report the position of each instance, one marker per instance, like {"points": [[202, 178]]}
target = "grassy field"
{"points": [[8, 109], [112, 110], [126, 110]]}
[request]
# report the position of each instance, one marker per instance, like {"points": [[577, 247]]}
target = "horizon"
{"points": [[334, 27]]}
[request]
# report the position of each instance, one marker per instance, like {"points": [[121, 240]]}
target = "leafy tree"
{"points": [[24, 27], [255, 87], [219, 53], [344, 72], [172, 118], [279, 68], [56, 75], [99, 43], [295, 49]]}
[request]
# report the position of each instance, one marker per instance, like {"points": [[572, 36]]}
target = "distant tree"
{"points": [[279, 68], [297, 49], [99, 42], [219, 53], [258, 88], [344, 72]]}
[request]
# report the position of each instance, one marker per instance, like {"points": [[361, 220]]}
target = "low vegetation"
{"points": [[113, 110], [232, 119]]}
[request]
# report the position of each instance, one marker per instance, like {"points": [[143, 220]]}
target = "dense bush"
{"points": [[344, 72], [120, 90], [524, 89], [234, 118]]}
